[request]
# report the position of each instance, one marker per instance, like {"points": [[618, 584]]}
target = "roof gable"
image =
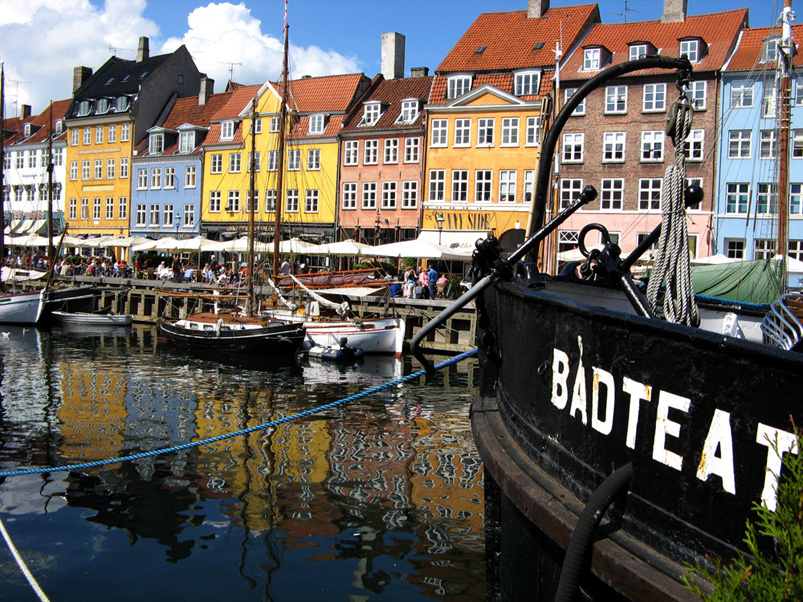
{"points": [[748, 54]]}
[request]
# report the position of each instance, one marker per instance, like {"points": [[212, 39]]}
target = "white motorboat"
{"points": [[65, 317]]}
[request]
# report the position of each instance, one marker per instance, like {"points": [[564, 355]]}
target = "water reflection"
{"points": [[381, 496]]}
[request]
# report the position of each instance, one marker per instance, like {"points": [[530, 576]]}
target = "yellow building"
{"points": [[484, 122], [110, 113], [315, 109]]}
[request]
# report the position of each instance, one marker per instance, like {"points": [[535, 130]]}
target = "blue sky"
{"points": [[41, 41]]}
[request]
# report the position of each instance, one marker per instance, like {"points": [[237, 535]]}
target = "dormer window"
{"points": [[83, 108], [121, 103], [156, 143], [316, 124], [59, 127], [637, 51], [409, 110], [769, 52], [103, 106], [227, 130], [527, 83], [370, 114], [591, 59], [186, 142], [691, 49], [458, 85]]}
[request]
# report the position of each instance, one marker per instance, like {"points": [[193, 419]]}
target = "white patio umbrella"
{"points": [[96, 243], [123, 242], [197, 243], [295, 246], [416, 248], [238, 245], [163, 244], [27, 240], [344, 247]]}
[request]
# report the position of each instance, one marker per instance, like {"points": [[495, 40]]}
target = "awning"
{"points": [[458, 240]]}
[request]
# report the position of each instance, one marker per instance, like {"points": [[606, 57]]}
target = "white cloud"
{"points": [[226, 39], [42, 41]]}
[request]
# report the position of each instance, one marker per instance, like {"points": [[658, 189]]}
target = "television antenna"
{"points": [[17, 83], [231, 68], [625, 12], [114, 50]]}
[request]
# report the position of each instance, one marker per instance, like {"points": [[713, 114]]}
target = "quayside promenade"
{"points": [[147, 300]]}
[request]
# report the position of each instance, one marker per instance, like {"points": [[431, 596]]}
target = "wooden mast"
{"points": [[250, 206], [50, 255], [786, 51], [280, 165], [2, 173]]}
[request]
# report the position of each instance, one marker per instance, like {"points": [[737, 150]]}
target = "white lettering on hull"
{"points": [[717, 457]]}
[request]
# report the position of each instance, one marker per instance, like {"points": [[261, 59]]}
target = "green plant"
{"points": [[759, 575]]}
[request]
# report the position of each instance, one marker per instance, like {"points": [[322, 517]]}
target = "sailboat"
{"points": [[236, 329], [15, 307], [595, 405]]}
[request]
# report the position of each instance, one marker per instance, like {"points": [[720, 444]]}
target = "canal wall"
{"points": [[148, 300]]}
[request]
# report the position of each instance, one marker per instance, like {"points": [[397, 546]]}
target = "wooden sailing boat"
{"points": [[230, 329], [15, 307]]}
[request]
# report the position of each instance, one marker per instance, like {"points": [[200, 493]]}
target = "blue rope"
{"points": [[261, 427]]}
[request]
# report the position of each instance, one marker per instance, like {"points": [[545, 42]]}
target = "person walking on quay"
{"points": [[177, 272], [433, 280]]}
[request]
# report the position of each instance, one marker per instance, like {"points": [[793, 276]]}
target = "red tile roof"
{"points": [[390, 93], [41, 124], [719, 31], [328, 94], [751, 46], [509, 39]]}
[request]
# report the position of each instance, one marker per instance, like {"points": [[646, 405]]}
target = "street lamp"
{"points": [[440, 219], [177, 218]]}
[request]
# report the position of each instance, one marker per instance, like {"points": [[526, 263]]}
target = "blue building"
{"points": [[167, 168], [746, 218]]}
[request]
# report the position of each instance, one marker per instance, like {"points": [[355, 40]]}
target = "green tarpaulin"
{"points": [[757, 281]]}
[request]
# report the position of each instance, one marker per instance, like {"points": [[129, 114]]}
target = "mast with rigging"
{"points": [[786, 52], [2, 173], [280, 166]]}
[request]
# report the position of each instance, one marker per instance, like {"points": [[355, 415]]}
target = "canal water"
{"points": [[376, 499]]}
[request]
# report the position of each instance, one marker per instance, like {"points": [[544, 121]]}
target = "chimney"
{"points": [[79, 77], [207, 89], [142, 49], [537, 8], [674, 11], [392, 55], [419, 71], [25, 111]]}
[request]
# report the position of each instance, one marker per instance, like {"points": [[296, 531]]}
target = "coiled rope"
{"points": [[673, 263]]}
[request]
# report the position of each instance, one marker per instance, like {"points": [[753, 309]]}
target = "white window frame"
{"points": [[486, 127], [691, 49], [227, 130], [294, 159], [214, 201], [615, 100], [654, 98], [460, 178], [613, 147], [349, 201], [317, 124], [637, 51], [440, 133], [741, 94], [510, 132], [311, 199], [612, 192], [652, 146], [740, 144], [457, 86], [410, 194], [508, 184], [390, 192], [351, 152], [313, 159], [190, 176], [526, 83], [412, 149], [368, 197], [437, 185], [573, 148], [737, 198], [592, 59], [570, 189], [462, 133], [648, 189], [694, 146], [483, 185], [371, 152], [390, 151]]}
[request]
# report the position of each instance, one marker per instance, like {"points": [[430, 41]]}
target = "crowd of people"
{"points": [[423, 284]]}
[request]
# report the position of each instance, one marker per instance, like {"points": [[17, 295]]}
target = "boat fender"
{"points": [[582, 539]]}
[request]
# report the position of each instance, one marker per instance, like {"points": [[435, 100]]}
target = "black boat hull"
{"points": [[689, 409], [273, 339]]}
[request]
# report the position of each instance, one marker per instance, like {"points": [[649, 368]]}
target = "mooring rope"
{"points": [[23, 567], [261, 427]]}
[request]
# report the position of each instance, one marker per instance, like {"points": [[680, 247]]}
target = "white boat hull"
{"points": [[380, 336], [95, 319], [23, 308]]}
